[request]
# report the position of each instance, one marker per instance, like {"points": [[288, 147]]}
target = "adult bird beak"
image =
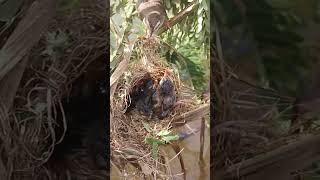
{"points": [[153, 30], [150, 33]]}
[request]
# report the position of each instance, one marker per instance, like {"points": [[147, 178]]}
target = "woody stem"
{"points": [[179, 17]]}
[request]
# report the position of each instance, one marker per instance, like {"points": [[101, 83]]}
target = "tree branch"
{"points": [[279, 163], [179, 17]]}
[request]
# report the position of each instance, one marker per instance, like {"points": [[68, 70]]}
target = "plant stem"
{"points": [[179, 17]]}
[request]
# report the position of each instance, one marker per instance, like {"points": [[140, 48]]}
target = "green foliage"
{"points": [[9, 9], [67, 5], [56, 43], [147, 127], [197, 64], [278, 43], [155, 139], [272, 26], [190, 37], [194, 27]]}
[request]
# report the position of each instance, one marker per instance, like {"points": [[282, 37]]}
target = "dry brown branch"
{"points": [[191, 115], [279, 163], [10, 82]]}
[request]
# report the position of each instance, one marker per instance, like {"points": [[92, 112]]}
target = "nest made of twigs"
{"points": [[127, 129]]}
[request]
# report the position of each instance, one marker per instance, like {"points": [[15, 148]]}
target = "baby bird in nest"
{"points": [[144, 103], [156, 99], [165, 97], [153, 14]]}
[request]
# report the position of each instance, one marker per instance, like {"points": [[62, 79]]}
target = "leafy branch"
{"points": [[155, 139]]}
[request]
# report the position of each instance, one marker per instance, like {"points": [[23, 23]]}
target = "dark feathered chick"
{"points": [[144, 103], [168, 101], [166, 86], [164, 98]]}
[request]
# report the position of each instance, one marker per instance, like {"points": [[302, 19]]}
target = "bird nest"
{"points": [[150, 98], [33, 129]]}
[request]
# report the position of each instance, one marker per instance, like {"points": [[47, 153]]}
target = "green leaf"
{"points": [[170, 138], [163, 133], [59, 38], [55, 43], [151, 140], [147, 127]]}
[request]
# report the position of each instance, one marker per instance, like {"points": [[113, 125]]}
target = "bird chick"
{"points": [[153, 14], [166, 85], [156, 102], [144, 103], [164, 98], [167, 104], [168, 101]]}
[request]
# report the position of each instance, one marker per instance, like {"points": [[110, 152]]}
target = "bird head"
{"points": [[166, 85], [153, 21]]}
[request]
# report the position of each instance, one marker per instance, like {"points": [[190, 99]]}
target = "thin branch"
{"points": [[179, 17]]}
